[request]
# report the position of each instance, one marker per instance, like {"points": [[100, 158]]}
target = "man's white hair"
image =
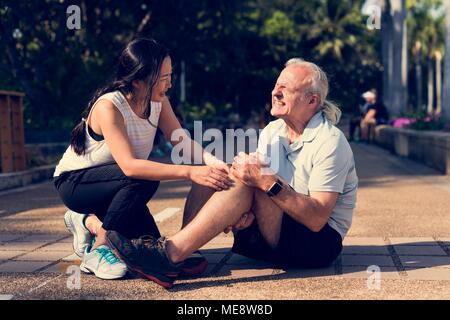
{"points": [[319, 85]]}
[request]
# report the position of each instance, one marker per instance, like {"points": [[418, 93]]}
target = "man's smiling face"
{"points": [[288, 95]]}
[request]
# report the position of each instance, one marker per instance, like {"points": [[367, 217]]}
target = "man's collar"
{"points": [[309, 133], [312, 128]]}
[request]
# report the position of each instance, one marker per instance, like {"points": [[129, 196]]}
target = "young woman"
{"points": [[104, 177]]}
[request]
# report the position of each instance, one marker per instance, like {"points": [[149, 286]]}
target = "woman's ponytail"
{"points": [[78, 135]]}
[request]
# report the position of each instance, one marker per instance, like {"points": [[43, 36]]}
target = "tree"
{"points": [[426, 27], [446, 97], [400, 58]]}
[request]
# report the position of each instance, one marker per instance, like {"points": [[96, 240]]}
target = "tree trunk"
{"points": [[430, 86], [400, 68], [438, 57], [387, 52], [446, 91], [418, 66]]}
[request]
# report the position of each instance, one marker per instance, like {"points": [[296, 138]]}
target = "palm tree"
{"points": [[387, 50], [446, 102], [395, 57], [438, 58], [417, 53], [426, 27], [400, 58]]}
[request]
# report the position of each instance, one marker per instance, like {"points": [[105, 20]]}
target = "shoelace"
{"points": [[149, 242], [108, 255]]}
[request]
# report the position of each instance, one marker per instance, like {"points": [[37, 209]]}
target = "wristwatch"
{"points": [[276, 187]]}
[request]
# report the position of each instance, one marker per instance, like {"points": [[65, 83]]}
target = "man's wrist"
{"points": [[267, 182]]}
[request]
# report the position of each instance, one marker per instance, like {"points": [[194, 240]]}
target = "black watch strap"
{"points": [[275, 188]]}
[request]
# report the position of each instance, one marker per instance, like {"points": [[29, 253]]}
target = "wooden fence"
{"points": [[12, 144]]}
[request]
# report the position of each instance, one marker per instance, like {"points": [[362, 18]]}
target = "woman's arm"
{"points": [[168, 123], [113, 129]]}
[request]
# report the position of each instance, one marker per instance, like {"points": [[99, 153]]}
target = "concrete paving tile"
{"points": [[362, 273], [41, 238], [10, 237], [59, 246], [229, 270], [237, 259], [446, 241], [363, 241], [419, 251], [214, 258], [215, 250], [435, 273], [42, 256], [209, 269], [71, 258], [366, 249], [21, 246], [60, 267], [22, 266], [6, 255], [309, 273], [367, 260], [425, 262], [67, 240], [419, 241], [219, 243], [224, 246]]}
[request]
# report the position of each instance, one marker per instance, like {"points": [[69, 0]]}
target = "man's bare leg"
{"points": [[268, 216], [221, 210], [196, 199]]}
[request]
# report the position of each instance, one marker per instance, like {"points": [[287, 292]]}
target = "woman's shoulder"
{"points": [[107, 108]]}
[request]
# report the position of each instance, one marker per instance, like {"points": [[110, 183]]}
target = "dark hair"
{"points": [[140, 60]]}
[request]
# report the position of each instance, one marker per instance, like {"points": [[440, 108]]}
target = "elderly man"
{"points": [[295, 213]]}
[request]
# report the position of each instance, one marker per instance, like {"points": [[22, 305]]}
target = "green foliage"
{"points": [[233, 51]]}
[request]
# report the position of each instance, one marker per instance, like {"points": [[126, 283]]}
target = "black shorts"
{"points": [[298, 246]]}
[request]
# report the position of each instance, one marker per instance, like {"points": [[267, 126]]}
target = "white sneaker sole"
{"points": [[105, 276], [71, 228]]}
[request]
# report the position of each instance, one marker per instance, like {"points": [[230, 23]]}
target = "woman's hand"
{"points": [[213, 162], [244, 222], [210, 177]]}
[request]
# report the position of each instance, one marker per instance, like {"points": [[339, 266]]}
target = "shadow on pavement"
{"points": [[389, 258]]}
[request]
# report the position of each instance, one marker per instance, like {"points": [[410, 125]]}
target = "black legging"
{"points": [[118, 201]]}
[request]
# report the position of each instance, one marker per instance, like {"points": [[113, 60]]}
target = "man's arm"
{"points": [[312, 211]]}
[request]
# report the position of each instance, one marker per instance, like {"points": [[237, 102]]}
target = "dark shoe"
{"points": [[146, 256], [194, 265]]}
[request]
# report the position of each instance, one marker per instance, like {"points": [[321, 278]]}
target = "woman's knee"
{"points": [[146, 187]]}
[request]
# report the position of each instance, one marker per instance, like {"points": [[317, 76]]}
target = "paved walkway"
{"points": [[398, 246]]}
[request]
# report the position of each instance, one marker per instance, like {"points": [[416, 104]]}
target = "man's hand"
{"points": [[244, 222], [253, 171]]}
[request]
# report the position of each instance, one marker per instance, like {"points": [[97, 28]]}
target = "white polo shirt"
{"points": [[320, 160]]}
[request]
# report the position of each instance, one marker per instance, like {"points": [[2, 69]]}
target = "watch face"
{"points": [[276, 188]]}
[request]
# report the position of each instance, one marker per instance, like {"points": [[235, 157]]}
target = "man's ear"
{"points": [[314, 99]]}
